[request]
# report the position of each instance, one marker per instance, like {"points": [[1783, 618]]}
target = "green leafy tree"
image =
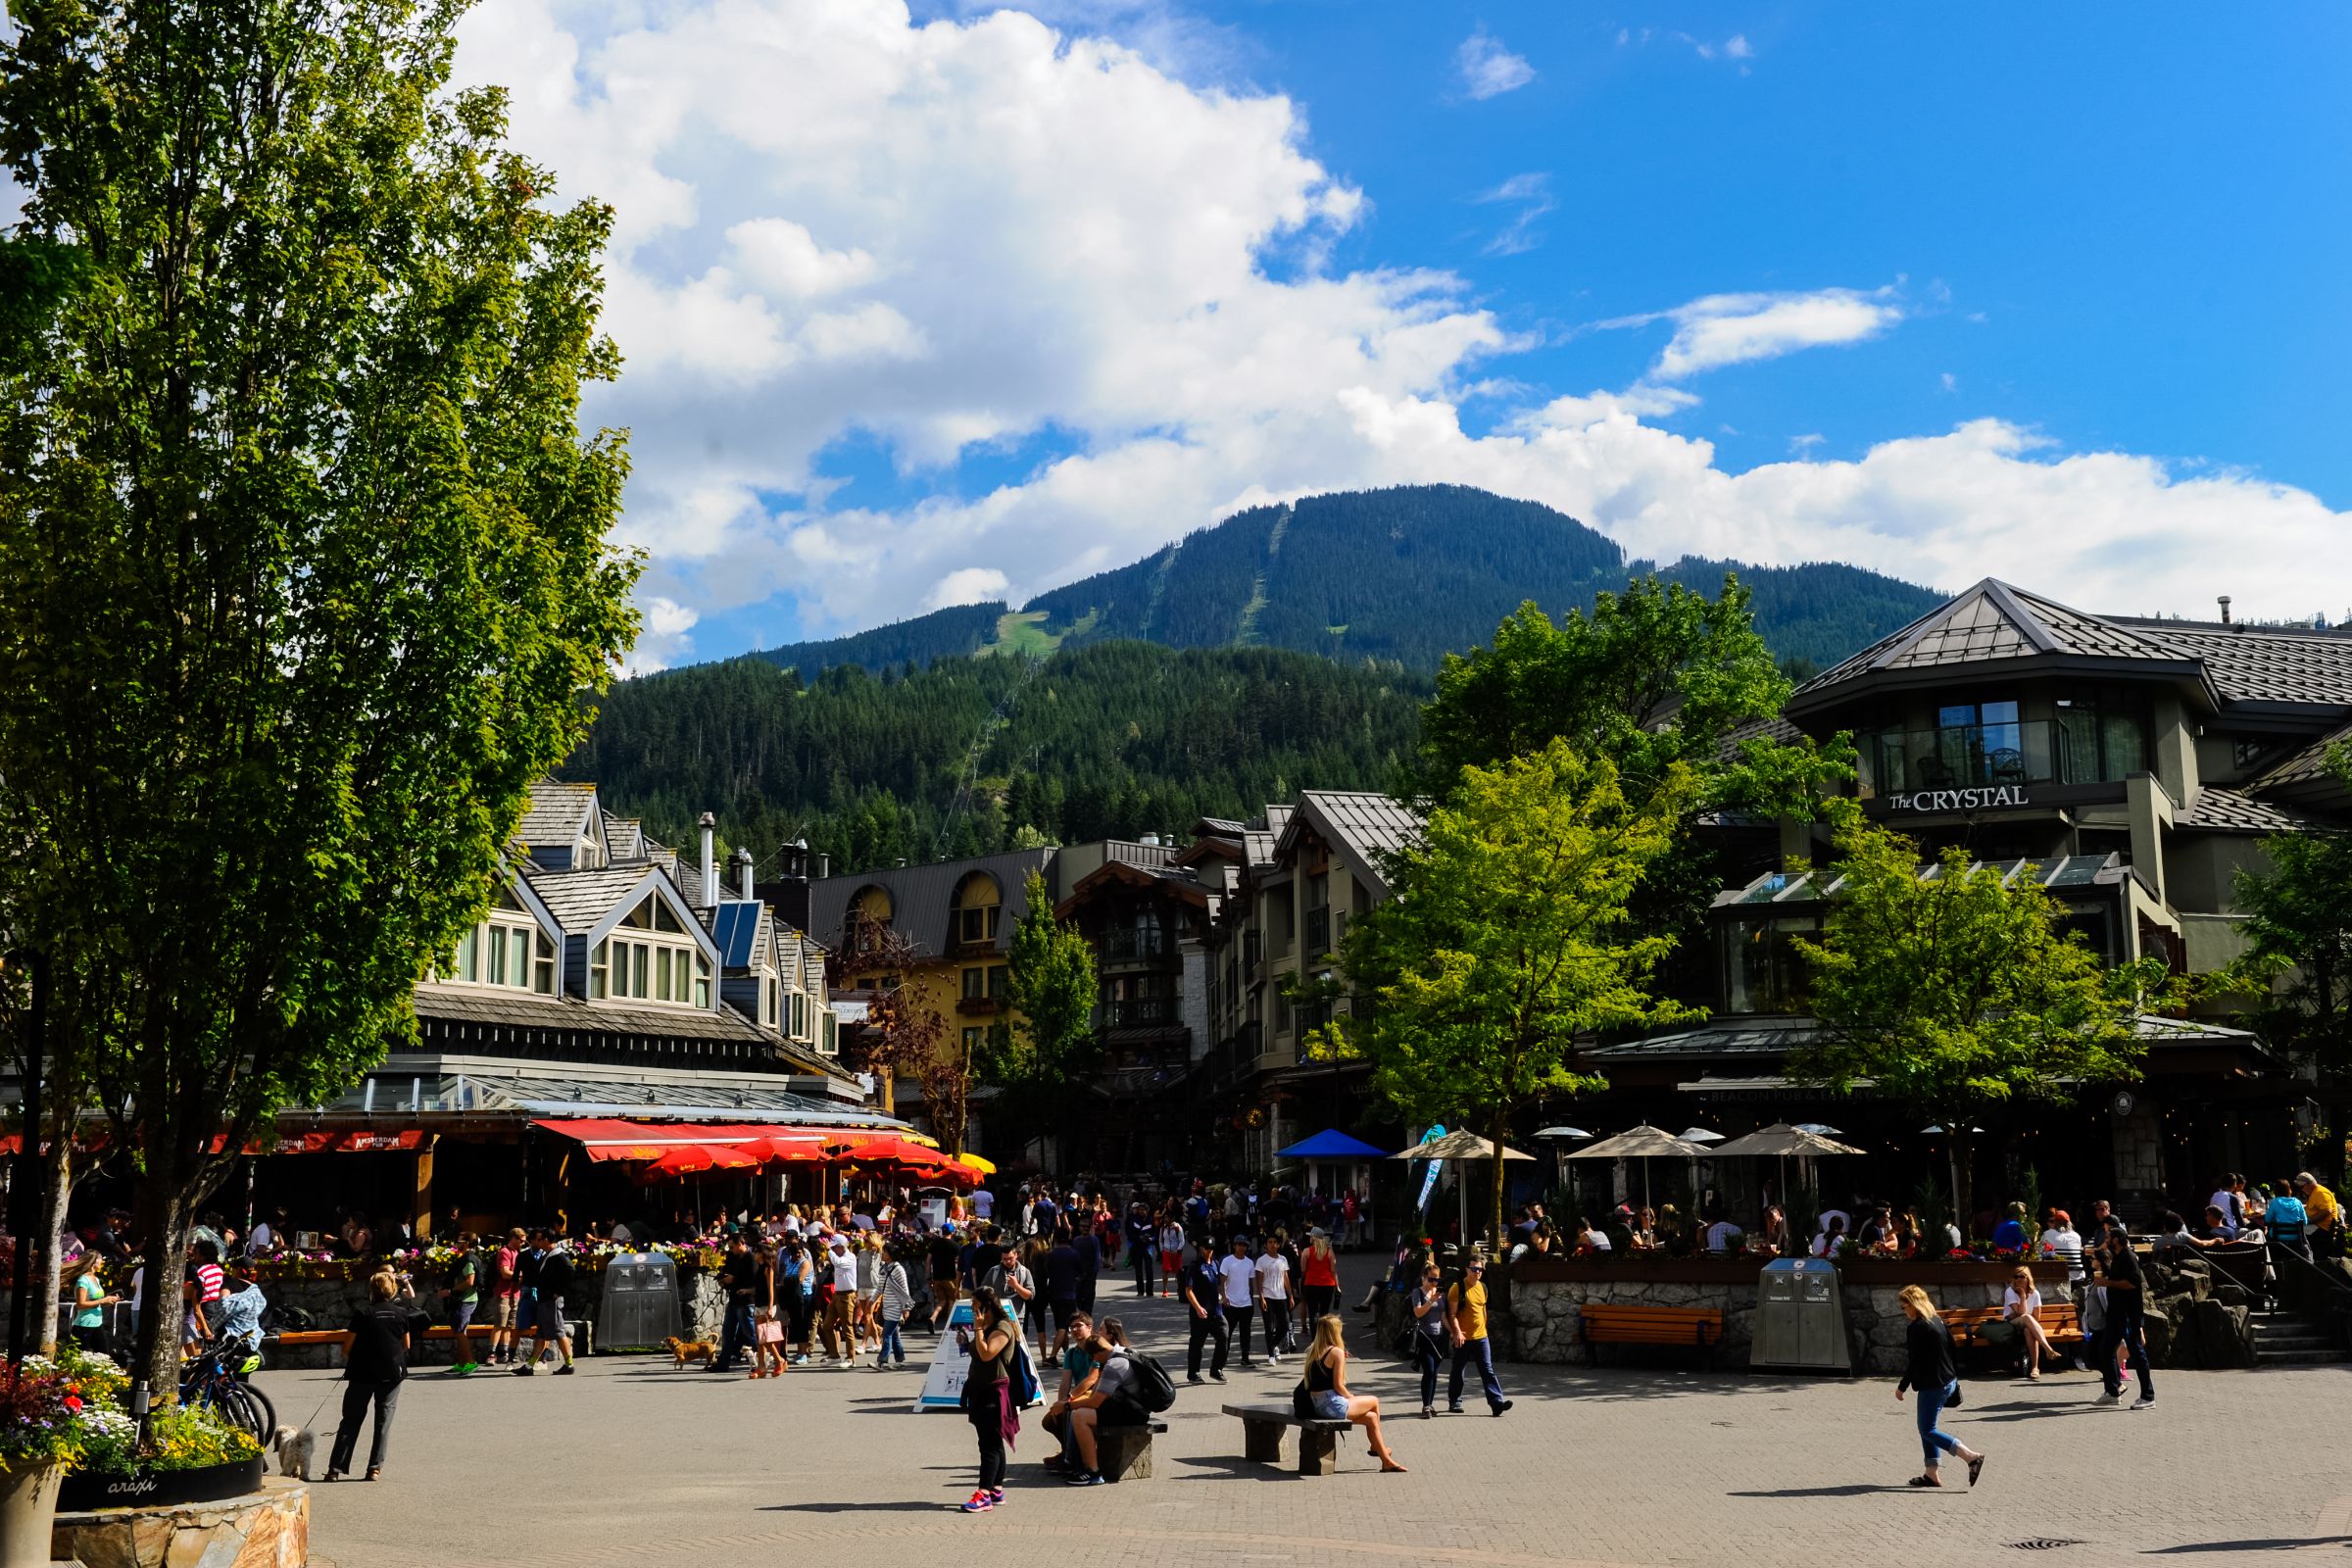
{"points": [[1051, 985], [1959, 992], [1509, 937], [2298, 957], [1655, 678], [305, 558]]}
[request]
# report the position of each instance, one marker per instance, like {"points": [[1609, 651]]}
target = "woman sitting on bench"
{"points": [[2019, 1305], [1323, 1391]]}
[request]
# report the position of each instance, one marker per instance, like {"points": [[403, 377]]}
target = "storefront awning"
{"points": [[607, 1138]]}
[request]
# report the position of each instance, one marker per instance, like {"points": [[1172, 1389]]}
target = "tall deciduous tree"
{"points": [[1509, 937], [1959, 991], [2298, 959], [304, 557]]}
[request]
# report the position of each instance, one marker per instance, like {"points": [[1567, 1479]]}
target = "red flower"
{"points": [[73, 1404]]}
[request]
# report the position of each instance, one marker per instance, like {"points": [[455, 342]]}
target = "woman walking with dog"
{"points": [[1928, 1372], [990, 1341]]}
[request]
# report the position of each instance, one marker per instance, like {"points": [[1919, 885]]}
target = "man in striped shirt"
{"points": [[200, 1290]]}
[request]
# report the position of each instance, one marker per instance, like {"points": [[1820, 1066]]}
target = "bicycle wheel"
{"points": [[264, 1410], [233, 1405]]}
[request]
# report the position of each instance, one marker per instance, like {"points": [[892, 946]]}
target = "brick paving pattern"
{"points": [[633, 1462]]}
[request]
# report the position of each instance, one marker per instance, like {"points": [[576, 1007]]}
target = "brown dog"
{"points": [[689, 1351]]}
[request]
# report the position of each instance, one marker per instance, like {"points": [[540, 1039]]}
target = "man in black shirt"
{"points": [[736, 1281], [1090, 1268], [2115, 1268], [548, 1274], [946, 1265]]}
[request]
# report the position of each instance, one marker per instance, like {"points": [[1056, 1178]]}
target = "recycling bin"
{"points": [[1801, 1319], [640, 1303]]}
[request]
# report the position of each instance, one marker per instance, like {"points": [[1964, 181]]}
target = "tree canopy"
{"points": [[1051, 1046], [305, 558], [1510, 936], [1958, 991]]}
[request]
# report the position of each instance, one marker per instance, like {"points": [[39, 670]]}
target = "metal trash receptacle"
{"points": [[1800, 1318], [640, 1302]]}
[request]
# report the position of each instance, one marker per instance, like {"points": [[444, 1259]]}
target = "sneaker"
{"points": [[1501, 1406], [995, 1494], [1194, 1377], [565, 1370], [461, 1369], [1216, 1377], [1428, 1410], [1453, 1409], [2147, 1402], [2108, 1401], [978, 1502], [525, 1370], [1083, 1478]]}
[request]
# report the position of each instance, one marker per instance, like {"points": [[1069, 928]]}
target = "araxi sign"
{"points": [[1982, 799]]}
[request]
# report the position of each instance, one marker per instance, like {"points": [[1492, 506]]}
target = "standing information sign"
{"points": [[943, 1385]]}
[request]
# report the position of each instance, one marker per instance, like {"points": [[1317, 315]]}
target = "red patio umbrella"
{"points": [[789, 1149], [886, 1150], [694, 1158]]}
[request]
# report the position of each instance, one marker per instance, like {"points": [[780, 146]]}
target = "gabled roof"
{"points": [[559, 814], [1176, 884], [1366, 826], [2308, 765], [2266, 665], [1995, 622], [580, 899], [624, 837]]}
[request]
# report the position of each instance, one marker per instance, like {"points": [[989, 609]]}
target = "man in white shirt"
{"points": [[1723, 1236], [1240, 1278], [840, 1310], [2232, 1207], [1273, 1301]]}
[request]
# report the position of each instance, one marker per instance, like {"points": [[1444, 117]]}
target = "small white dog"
{"points": [[294, 1452]]}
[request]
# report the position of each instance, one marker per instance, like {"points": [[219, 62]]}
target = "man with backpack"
{"points": [[1129, 1389]]}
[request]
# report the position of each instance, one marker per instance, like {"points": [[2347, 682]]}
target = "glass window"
{"points": [[1762, 969], [975, 981], [469, 954], [701, 980], [543, 966], [999, 976], [640, 957], [599, 970]]}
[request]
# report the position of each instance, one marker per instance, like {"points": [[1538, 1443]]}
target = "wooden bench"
{"points": [[1262, 1437], [1124, 1453], [338, 1339], [1699, 1328], [2062, 1321]]}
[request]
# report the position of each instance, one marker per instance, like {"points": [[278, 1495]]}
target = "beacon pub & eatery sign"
{"points": [[1980, 799]]}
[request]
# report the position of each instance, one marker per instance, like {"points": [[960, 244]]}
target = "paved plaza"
{"points": [[634, 1463]]}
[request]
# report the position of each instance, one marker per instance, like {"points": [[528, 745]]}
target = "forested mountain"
{"points": [[1409, 575], [974, 754]]}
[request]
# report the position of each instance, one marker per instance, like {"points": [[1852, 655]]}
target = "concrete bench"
{"points": [[1262, 1437], [1699, 1328], [1124, 1453]]}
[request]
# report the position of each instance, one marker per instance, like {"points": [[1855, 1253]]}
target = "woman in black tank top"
{"points": [[1324, 1390]]}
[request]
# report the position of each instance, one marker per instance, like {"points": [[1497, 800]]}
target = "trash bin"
{"points": [[640, 1303], [1801, 1320]]}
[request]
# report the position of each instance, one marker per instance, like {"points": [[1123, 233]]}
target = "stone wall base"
{"points": [[267, 1529]]}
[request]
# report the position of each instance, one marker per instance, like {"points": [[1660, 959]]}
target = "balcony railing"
{"points": [[979, 1007], [1139, 1013], [1133, 945], [1987, 756]]}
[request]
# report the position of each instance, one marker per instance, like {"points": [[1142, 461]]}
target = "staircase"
{"points": [[2283, 1337]]}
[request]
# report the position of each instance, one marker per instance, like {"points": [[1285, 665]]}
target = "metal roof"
{"points": [[537, 1094], [1367, 826], [2269, 664], [529, 1010], [922, 898], [2059, 873], [1774, 1035], [1994, 620], [2309, 766], [2227, 811]]}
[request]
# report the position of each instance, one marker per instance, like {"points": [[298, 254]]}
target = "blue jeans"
{"points": [[1934, 1441], [1479, 1354], [891, 1347], [735, 1336], [1428, 1357]]}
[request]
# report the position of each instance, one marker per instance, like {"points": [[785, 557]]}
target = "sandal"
{"points": [[1923, 1481], [1975, 1468]]}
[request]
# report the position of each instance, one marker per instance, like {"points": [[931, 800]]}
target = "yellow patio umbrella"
{"points": [[980, 1163]]}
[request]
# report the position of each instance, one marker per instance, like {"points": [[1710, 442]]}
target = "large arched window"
{"points": [[979, 907]]}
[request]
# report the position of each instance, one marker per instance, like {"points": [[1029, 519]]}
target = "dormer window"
{"points": [[507, 950], [649, 958]]}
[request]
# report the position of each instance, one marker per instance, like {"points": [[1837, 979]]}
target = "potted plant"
{"points": [[41, 1433]]}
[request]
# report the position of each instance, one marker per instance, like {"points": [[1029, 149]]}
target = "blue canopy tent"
{"points": [[1337, 1147]]}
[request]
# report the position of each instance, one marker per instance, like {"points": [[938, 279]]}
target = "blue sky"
{"points": [[959, 303]]}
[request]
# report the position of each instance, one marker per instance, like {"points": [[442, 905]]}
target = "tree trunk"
{"points": [[886, 1090], [1495, 1215], [1962, 1153], [165, 1204], [48, 1257]]}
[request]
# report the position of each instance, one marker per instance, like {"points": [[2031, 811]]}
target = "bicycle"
{"points": [[207, 1382]]}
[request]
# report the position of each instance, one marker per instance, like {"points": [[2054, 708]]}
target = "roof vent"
{"points": [[2223, 601], [1149, 840]]}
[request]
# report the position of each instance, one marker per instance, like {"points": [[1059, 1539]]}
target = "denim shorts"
{"points": [[1330, 1404]]}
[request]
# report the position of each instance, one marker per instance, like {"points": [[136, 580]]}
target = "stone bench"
{"points": [[1124, 1453], [1699, 1328], [1262, 1437]]}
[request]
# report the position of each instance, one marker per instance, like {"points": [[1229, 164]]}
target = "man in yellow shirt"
{"points": [[2325, 1230], [1466, 1323]]}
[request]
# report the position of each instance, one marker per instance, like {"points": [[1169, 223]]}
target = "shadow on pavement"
{"points": [[854, 1507], [1856, 1488], [1240, 1469], [2281, 1543]]}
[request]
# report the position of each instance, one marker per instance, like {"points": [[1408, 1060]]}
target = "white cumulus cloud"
{"points": [[954, 241], [1488, 70]]}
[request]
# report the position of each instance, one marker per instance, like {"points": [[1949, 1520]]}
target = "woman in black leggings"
{"points": [[990, 1342]]}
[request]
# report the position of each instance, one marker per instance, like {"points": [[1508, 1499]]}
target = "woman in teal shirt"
{"points": [[90, 1301]]}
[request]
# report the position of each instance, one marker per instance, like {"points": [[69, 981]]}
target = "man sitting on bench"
{"points": [[1106, 1404]]}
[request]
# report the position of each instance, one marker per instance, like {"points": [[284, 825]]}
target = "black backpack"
{"points": [[1149, 1384]]}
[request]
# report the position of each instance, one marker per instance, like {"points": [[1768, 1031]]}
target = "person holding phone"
{"points": [[989, 1340]]}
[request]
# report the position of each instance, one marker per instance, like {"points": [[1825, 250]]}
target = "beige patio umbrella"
{"points": [[1781, 1141], [1460, 1146], [1642, 1143]]}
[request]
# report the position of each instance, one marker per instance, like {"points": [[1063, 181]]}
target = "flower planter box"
{"points": [[89, 1489]]}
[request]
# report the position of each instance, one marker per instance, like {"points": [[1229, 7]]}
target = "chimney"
{"points": [[743, 873], [709, 867], [2224, 602], [824, 866]]}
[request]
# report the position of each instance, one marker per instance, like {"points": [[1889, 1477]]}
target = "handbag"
{"points": [[1952, 1401], [765, 1328]]}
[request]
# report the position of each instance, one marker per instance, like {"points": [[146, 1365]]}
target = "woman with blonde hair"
{"points": [[1928, 1370], [2020, 1303], [1323, 1391]]}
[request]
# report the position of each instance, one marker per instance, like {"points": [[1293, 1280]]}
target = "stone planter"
{"points": [[28, 1512], [160, 1489], [267, 1527]]}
